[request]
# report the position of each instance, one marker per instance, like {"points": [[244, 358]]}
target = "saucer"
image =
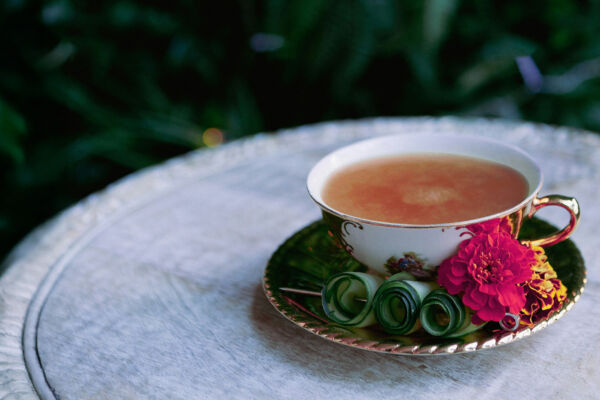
{"points": [[307, 258]]}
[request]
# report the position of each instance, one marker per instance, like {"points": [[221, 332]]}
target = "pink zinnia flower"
{"points": [[487, 271], [492, 226]]}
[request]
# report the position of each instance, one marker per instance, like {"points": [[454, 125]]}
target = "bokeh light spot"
{"points": [[213, 137]]}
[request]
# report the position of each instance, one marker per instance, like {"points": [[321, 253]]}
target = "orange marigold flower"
{"points": [[545, 294], [542, 267]]}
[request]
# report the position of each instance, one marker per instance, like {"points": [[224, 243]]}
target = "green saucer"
{"points": [[310, 256]]}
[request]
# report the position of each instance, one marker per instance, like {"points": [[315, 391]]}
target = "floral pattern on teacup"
{"points": [[410, 262]]}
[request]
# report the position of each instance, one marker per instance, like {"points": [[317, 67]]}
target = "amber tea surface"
{"points": [[424, 189]]}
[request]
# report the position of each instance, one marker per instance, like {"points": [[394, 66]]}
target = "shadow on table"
{"points": [[335, 362]]}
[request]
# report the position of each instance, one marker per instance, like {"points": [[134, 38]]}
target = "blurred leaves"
{"points": [[438, 15], [497, 59], [91, 91], [12, 127]]}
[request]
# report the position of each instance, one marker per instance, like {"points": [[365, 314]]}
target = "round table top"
{"points": [[152, 287]]}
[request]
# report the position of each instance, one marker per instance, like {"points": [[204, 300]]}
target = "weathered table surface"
{"points": [[151, 289]]}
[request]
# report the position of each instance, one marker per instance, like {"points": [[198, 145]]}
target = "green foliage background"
{"points": [[93, 90]]}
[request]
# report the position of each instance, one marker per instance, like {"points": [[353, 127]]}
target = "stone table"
{"points": [[151, 288]]}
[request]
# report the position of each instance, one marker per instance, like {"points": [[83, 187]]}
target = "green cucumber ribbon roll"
{"points": [[348, 298], [443, 314], [398, 301]]}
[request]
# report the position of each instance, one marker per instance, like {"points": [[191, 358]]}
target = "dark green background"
{"points": [[93, 90]]}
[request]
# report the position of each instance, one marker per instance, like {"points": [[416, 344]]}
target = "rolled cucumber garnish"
{"points": [[443, 314], [398, 301], [348, 298]]}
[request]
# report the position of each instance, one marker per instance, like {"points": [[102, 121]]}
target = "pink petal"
{"points": [[494, 311], [489, 289], [457, 269], [512, 297], [474, 299]]}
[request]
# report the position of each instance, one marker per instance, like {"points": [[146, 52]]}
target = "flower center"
{"points": [[487, 269]]}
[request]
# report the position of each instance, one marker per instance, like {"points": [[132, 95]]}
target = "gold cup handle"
{"points": [[568, 203]]}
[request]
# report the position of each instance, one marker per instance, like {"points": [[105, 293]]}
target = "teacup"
{"points": [[422, 248]]}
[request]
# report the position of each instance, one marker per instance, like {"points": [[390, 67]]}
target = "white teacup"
{"points": [[374, 243]]}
